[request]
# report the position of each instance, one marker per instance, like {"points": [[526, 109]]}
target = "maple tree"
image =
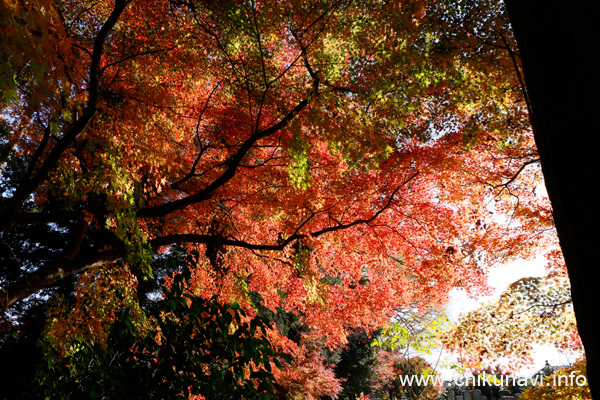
{"points": [[315, 154], [561, 384], [536, 308]]}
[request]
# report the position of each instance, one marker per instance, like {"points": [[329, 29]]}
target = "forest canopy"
{"points": [[321, 164]]}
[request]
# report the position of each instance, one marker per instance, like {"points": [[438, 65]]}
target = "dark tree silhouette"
{"points": [[558, 42]]}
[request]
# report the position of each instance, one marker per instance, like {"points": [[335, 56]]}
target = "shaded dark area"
{"points": [[355, 363], [558, 42], [188, 349]]}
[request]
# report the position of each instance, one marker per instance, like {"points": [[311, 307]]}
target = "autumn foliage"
{"points": [[566, 383], [339, 159]]}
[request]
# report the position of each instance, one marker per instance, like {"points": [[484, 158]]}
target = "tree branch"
{"points": [[29, 218], [164, 209], [53, 272], [217, 240], [70, 263], [512, 179], [28, 186]]}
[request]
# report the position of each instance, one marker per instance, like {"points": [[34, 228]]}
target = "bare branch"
{"points": [[512, 179]]}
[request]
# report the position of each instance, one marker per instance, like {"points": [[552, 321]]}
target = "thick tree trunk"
{"points": [[559, 43]]}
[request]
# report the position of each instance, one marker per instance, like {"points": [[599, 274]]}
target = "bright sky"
{"points": [[498, 278]]}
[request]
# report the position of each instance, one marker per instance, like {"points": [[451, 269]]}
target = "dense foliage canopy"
{"points": [[336, 160]]}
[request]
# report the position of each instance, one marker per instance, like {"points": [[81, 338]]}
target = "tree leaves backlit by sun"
{"points": [[334, 160], [532, 308]]}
